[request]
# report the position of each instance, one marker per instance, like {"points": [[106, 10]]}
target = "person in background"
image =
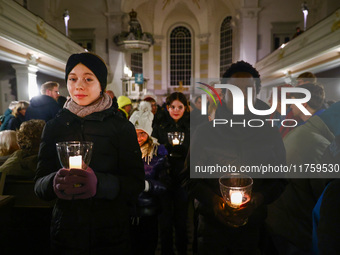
{"points": [[306, 77], [19, 113], [8, 115], [234, 145], [298, 32], [198, 103], [290, 216], [125, 105], [144, 225], [113, 97], [157, 111], [277, 113], [314, 105], [91, 214], [326, 211], [196, 117], [111, 94], [44, 106], [8, 144], [175, 201], [23, 162], [61, 101], [152, 101]]}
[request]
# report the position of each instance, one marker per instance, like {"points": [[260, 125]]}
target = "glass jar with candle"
{"points": [[74, 154], [175, 138], [236, 190]]}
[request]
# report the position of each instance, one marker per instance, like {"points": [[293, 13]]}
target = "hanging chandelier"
{"points": [[134, 40]]}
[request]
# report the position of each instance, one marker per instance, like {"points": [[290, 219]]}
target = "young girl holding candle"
{"points": [[91, 214], [144, 223], [175, 200]]}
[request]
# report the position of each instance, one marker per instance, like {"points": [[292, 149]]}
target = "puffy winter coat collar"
{"points": [[183, 122]]}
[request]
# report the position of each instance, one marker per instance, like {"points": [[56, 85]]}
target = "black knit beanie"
{"points": [[91, 61]]}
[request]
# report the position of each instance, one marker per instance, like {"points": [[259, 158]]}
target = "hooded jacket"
{"points": [[8, 117], [82, 226], [42, 107]]}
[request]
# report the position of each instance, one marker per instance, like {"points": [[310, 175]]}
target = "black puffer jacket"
{"points": [[98, 225]]}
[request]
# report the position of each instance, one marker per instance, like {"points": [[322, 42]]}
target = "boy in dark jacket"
{"points": [[234, 145]]}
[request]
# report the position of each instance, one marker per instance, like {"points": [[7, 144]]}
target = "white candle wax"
{"points": [[175, 141], [76, 162], [236, 198]]}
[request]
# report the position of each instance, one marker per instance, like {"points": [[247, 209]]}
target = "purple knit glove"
{"points": [[60, 183], [84, 183], [75, 184]]}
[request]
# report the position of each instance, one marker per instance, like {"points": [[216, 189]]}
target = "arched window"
{"points": [[226, 45], [136, 63], [180, 56]]}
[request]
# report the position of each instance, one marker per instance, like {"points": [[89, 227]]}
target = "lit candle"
{"points": [[236, 198], [175, 141], [76, 162]]}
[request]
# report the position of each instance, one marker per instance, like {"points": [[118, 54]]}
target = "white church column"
{"points": [[26, 81], [248, 34]]}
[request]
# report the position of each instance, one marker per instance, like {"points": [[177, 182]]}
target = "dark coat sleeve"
{"points": [[47, 165], [198, 188], [13, 124], [131, 182]]}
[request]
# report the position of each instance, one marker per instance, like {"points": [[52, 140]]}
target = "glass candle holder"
{"points": [[236, 191], [176, 138], [75, 154]]}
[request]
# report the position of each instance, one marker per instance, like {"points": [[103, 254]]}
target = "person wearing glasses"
{"points": [[44, 106]]}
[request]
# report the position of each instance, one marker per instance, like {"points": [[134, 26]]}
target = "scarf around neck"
{"points": [[102, 103]]}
